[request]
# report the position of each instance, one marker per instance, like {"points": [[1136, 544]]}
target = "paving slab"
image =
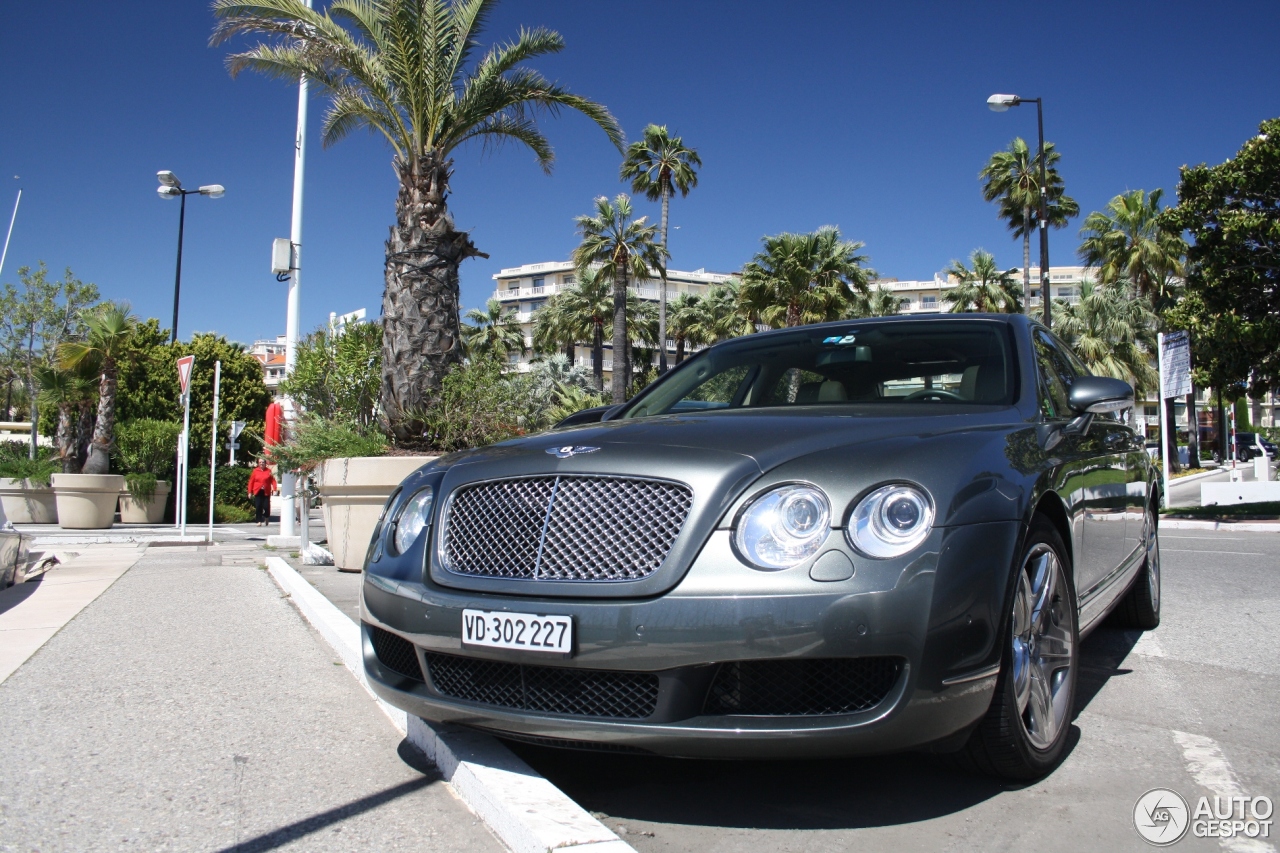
{"points": [[189, 708]]}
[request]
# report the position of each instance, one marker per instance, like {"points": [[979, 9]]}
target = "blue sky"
{"points": [[867, 116]]}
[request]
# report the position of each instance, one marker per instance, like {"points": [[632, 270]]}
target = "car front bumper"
{"points": [[938, 612]]}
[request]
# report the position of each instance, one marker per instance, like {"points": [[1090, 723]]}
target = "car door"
{"points": [[1095, 475]]}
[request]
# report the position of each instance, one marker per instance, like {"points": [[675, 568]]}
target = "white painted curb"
{"points": [[523, 809], [1243, 526]]}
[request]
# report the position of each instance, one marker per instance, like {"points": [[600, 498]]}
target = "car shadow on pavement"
{"points": [[849, 793], [18, 593]]}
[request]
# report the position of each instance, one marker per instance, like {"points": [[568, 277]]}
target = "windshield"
{"points": [[923, 364]]}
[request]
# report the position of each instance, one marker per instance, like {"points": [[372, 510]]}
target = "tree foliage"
{"points": [[983, 286], [1112, 332], [338, 372], [1129, 240], [1232, 214], [494, 331]]}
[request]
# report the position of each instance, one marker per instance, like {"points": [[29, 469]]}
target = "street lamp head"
{"points": [[168, 192], [168, 179], [213, 190], [1000, 103]]}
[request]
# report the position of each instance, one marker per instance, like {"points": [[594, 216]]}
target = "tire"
{"points": [[1140, 607], [1024, 733]]}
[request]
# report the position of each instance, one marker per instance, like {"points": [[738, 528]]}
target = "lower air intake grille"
{"points": [[396, 654], [785, 688], [551, 689]]}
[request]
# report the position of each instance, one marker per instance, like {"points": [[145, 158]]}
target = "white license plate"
{"points": [[526, 631]]}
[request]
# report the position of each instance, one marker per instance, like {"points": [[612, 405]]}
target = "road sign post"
{"points": [[237, 427], [213, 445], [185, 366]]}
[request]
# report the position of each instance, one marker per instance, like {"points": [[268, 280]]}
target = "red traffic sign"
{"points": [[184, 371]]}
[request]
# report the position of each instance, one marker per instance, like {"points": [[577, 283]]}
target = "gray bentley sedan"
{"points": [[848, 538]]}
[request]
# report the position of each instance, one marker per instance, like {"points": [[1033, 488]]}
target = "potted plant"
{"points": [[353, 476], [25, 492], [145, 453], [87, 500]]}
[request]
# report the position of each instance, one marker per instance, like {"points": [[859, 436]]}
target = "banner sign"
{"points": [[1175, 363]]}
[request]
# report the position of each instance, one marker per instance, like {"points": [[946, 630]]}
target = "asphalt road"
{"points": [[190, 708], [1147, 704]]}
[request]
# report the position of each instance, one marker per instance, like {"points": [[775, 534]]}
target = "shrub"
{"points": [[224, 514], [231, 489], [147, 446], [315, 439], [15, 464], [142, 487], [338, 374]]}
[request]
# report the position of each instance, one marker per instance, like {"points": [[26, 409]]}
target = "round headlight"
{"points": [[783, 527], [890, 521], [412, 519]]}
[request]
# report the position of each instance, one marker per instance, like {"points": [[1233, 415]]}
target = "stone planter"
{"points": [[132, 512], [87, 501], [352, 493], [26, 503]]}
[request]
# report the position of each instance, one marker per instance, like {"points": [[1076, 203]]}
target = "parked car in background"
{"points": [[839, 539], [1250, 445]]}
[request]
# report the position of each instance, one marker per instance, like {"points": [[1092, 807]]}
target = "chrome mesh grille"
{"points": [[564, 527]]}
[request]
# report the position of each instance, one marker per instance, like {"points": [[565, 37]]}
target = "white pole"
{"points": [[1164, 420], [7, 237], [186, 456], [213, 453], [289, 485]]}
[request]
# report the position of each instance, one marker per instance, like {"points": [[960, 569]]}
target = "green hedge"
{"points": [[232, 490]]}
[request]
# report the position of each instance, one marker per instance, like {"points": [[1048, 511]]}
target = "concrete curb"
{"points": [[528, 813], [1242, 526]]}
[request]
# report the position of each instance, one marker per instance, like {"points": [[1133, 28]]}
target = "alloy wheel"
{"points": [[1043, 639]]}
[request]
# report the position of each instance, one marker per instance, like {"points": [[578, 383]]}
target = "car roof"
{"points": [[965, 317]]}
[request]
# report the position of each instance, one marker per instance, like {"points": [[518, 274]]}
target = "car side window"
{"points": [[717, 392], [1056, 377]]}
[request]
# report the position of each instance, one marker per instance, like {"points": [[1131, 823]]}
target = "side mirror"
{"points": [[1096, 395]]}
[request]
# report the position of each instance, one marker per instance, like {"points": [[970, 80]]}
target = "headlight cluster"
{"points": [[890, 521], [787, 525], [412, 519], [784, 527]]}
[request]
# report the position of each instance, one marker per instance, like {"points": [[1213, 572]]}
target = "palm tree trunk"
{"points": [[619, 333], [597, 356], [83, 435], [679, 348], [1026, 260], [662, 294], [421, 338], [65, 439], [793, 313], [99, 461], [1193, 431], [1171, 448]]}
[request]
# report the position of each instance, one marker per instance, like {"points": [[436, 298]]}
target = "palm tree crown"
{"points": [[1129, 240], [624, 249], [494, 331], [804, 278], [983, 286], [411, 71], [1012, 178], [1113, 334], [659, 165], [880, 301]]}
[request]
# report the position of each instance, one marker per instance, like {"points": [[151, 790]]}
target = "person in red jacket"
{"points": [[262, 485]]}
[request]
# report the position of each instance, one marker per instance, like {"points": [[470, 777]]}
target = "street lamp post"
{"points": [[171, 187], [1000, 103]]}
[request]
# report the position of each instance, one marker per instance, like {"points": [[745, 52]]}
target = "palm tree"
{"points": [[70, 392], [408, 70], [659, 165], [111, 327], [1012, 177], [494, 331], [1130, 241], [880, 302], [579, 314], [725, 314], [687, 322], [625, 250], [983, 286], [1113, 333], [804, 278]]}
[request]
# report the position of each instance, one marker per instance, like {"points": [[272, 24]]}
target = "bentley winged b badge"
{"points": [[570, 450]]}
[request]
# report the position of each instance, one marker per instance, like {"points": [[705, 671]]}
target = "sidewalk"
{"points": [[189, 708]]}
